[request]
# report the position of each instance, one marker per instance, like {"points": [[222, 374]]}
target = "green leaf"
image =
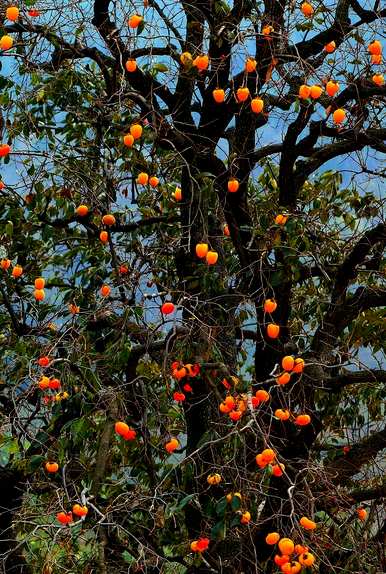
{"points": [[159, 67], [218, 531], [221, 507]]}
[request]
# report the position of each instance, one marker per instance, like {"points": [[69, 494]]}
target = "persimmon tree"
{"points": [[192, 296]]}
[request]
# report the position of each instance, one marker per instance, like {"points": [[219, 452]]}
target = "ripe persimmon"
{"points": [[282, 414], [286, 546], [51, 467], [17, 271], [4, 150], [128, 140], [235, 415], [362, 514], [332, 88], [105, 290], [300, 549], [306, 559], [242, 94], [302, 420], [134, 21], [298, 366], [5, 264], [281, 559], [211, 257], [291, 567], [250, 65], [79, 510], [214, 479], [104, 236], [257, 105], [268, 455], [74, 309], [82, 210], [273, 331], [307, 9], [200, 545], [339, 116], [177, 194], [233, 185], [307, 523], [108, 219], [12, 13], [64, 517], [288, 363], [218, 95], [121, 428], [201, 62], [267, 30], [283, 379], [270, 306], [226, 230], [172, 445], [262, 395], [272, 538], [304, 92], [44, 383], [316, 92], [330, 47], [143, 178], [39, 283], [376, 59], [39, 294], [278, 469], [43, 361], [179, 397], [33, 13], [281, 219], [167, 308], [245, 517], [6, 42], [136, 131], [378, 79], [54, 384], [153, 181], [131, 65], [375, 48]]}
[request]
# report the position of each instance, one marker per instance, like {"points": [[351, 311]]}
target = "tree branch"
{"points": [[342, 469]]}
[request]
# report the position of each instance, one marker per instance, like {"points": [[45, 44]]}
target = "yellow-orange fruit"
{"points": [[6, 42], [250, 65], [330, 47], [288, 363], [136, 131], [307, 9], [218, 95], [273, 330], [286, 546], [304, 92], [108, 219], [201, 62], [257, 105], [131, 65], [233, 185], [272, 538], [12, 13], [134, 21], [128, 140], [339, 116], [143, 178], [316, 92], [201, 250]]}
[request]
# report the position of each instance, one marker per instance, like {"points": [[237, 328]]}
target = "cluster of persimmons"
{"points": [[291, 558]]}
